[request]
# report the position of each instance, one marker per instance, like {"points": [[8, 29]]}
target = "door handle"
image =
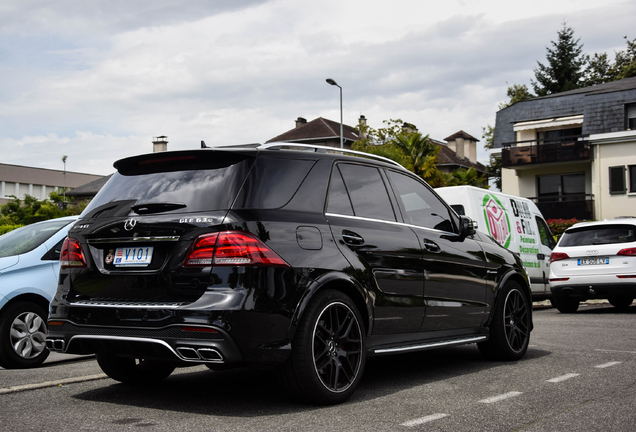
{"points": [[352, 238], [540, 256], [431, 246]]}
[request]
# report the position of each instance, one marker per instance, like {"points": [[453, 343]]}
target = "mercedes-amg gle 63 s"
{"points": [[303, 261]]}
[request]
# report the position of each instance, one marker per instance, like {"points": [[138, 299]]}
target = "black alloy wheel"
{"points": [[328, 351], [510, 326], [516, 322], [337, 347]]}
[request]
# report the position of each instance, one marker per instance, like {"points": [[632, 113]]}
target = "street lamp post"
{"points": [[332, 82]]}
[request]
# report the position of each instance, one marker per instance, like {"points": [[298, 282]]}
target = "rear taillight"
{"points": [[72, 254], [231, 248], [628, 252], [558, 256]]}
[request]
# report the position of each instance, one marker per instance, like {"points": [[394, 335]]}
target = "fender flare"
{"points": [[336, 280], [522, 280]]}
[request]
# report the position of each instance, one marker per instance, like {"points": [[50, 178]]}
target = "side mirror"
{"points": [[466, 226]]}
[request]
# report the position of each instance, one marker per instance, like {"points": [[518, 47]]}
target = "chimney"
{"points": [[159, 144], [464, 145], [459, 151], [300, 121], [471, 150], [409, 128], [362, 121]]}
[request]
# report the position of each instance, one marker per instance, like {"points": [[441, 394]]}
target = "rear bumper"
{"points": [[208, 345], [594, 291], [194, 345]]}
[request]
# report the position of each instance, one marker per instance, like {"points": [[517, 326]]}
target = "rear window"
{"points": [[202, 184], [598, 235]]}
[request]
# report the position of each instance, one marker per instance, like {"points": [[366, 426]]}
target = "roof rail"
{"points": [[246, 145], [325, 149]]}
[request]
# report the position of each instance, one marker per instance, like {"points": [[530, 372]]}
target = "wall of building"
{"points": [[38, 182], [523, 182], [609, 153]]}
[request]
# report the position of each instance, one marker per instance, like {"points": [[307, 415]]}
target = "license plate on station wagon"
{"points": [[593, 261], [133, 256]]}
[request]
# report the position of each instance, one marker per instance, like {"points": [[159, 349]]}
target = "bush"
{"points": [[30, 210], [6, 228], [557, 226]]}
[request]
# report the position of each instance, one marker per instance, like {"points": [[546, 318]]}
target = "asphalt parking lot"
{"points": [[579, 374]]}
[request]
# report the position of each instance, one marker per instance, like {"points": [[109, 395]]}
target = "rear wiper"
{"points": [[156, 207]]}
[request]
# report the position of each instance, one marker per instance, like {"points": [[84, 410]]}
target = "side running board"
{"points": [[428, 345]]}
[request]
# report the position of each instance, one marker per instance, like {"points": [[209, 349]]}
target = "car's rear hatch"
{"points": [[596, 250], [137, 231]]}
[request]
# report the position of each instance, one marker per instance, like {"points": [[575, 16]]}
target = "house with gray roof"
{"points": [[573, 153], [460, 150]]}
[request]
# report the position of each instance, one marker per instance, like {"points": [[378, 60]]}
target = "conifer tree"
{"points": [[565, 68]]}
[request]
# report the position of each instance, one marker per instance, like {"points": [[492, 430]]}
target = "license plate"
{"points": [[593, 261], [133, 256]]}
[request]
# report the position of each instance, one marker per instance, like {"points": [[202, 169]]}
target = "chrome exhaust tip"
{"points": [[210, 354], [188, 353]]}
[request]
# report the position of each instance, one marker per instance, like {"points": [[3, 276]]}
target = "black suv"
{"points": [[303, 261]]}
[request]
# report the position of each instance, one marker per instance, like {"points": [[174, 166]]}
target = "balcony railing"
{"points": [[566, 149], [579, 206]]}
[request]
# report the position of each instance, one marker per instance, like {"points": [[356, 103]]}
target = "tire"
{"points": [[510, 326], [328, 351], [23, 336], [133, 371], [620, 302], [566, 305]]}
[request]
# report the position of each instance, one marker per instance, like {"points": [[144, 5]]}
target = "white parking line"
{"points": [[605, 365], [618, 351], [51, 383], [563, 377], [423, 420], [500, 397]]}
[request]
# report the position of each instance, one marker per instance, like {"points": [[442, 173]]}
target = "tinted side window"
{"points": [[272, 182], [544, 233], [459, 209], [339, 202], [422, 207], [367, 191]]}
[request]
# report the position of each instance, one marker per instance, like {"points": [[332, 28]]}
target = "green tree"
{"points": [[565, 68], [625, 61], [406, 146], [600, 69], [417, 152], [516, 93], [467, 176]]}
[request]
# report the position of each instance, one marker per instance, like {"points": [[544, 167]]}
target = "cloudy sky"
{"points": [[96, 80]]}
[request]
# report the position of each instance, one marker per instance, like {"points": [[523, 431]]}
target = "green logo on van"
{"points": [[497, 220]]}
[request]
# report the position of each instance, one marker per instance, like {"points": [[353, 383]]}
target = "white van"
{"points": [[514, 222]]}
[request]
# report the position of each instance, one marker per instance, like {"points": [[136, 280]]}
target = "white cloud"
{"points": [[226, 72]]}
